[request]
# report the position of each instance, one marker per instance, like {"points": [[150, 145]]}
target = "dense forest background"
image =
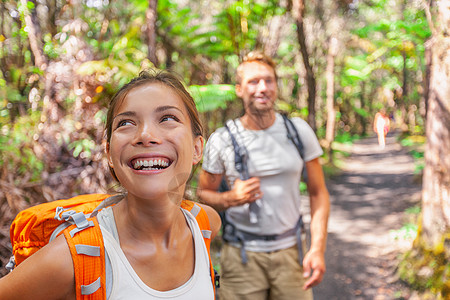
{"points": [[339, 62]]}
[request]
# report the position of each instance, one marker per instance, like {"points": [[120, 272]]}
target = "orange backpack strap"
{"points": [[88, 255], [203, 222]]}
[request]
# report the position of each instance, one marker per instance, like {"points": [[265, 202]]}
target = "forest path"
{"points": [[368, 200]]}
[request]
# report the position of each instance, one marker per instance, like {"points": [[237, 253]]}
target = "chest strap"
{"points": [[233, 235]]}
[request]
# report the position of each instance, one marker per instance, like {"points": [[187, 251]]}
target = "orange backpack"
{"points": [[36, 226]]}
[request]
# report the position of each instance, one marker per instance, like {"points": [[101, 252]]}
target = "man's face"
{"points": [[258, 88]]}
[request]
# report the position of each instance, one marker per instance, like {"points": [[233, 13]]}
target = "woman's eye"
{"points": [[169, 118], [124, 123]]}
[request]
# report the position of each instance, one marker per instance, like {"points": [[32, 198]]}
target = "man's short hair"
{"points": [[254, 56]]}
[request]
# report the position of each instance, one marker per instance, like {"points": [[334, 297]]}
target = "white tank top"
{"points": [[126, 284]]}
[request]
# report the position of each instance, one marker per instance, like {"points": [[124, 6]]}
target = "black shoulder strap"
{"points": [[240, 156], [240, 161], [293, 135]]}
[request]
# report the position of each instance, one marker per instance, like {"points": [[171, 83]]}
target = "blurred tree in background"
{"points": [[427, 265], [339, 62]]}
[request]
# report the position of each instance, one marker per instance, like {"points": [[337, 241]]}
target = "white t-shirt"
{"points": [[126, 284], [274, 159]]}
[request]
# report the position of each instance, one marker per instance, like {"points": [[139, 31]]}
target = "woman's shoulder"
{"points": [[214, 219]]}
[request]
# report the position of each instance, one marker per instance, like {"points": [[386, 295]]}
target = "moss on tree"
{"points": [[427, 268]]}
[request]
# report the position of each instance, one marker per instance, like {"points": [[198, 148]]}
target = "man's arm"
{"points": [[243, 191], [314, 259]]}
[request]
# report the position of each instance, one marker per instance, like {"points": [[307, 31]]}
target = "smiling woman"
{"points": [[161, 78], [154, 137], [152, 116]]}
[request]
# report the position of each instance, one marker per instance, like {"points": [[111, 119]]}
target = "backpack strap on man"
{"points": [[88, 254], [241, 165], [293, 135], [240, 153]]}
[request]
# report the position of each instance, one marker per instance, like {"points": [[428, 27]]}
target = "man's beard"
{"points": [[251, 107]]}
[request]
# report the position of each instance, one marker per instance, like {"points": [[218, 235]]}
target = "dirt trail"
{"points": [[368, 200]]}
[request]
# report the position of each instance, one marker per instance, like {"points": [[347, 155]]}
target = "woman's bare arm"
{"points": [[47, 274]]}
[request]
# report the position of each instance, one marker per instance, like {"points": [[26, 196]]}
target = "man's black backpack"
{"points": [[240, 153]]}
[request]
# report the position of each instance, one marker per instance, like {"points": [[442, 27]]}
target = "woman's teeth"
{"points": [[152, 164]]}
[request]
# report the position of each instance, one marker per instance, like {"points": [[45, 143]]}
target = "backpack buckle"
{"points": [[11, 264], [63, 215], [77, 218]]}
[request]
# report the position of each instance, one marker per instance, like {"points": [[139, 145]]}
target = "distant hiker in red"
{"points": [[381, 127], [154, 248]]}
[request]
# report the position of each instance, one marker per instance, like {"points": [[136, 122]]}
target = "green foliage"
{"points": [[16, 147], [413, 210], [357, 68], [50, 47], [112, 72], [415, 145], [212, 97], [303, 188], [237, 26], [417, 154], [427, 268], [346, 138], [407, 232], [84, 146], [387, 47], [362, 112]]}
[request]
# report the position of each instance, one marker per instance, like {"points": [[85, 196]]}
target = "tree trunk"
{"points": [[3, 63], [426, 80], [299, 11], [362, 101], [436, 179], [53, 12], [152, 17], [331, 118], [403, 105], [40, 60]]}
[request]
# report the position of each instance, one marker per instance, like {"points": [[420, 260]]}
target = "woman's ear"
{"points": [[198, 149], [108, 155]]}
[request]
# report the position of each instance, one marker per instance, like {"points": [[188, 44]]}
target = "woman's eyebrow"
{"points": [[126, 114], [158, 110], [167, 107]]}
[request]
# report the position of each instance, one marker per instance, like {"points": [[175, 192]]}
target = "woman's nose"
{"points": [[146, 135]]}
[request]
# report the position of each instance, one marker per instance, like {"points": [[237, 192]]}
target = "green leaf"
{"points": [[362, 112], [212, 97], [91, 67], [30, 5]]}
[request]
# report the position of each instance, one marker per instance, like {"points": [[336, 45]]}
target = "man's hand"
{"points": [[313, 268], [246, 191]]}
